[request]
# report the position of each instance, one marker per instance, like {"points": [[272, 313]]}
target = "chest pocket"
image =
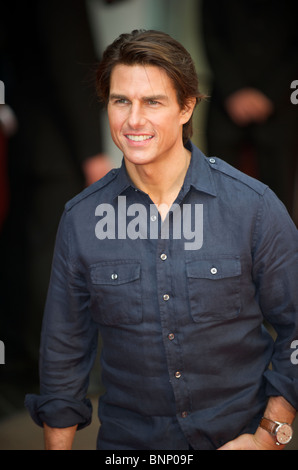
{"points": [[214, 288], [116, 292]]}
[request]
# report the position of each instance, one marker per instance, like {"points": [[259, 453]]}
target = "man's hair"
{"points": [[155, 48]]}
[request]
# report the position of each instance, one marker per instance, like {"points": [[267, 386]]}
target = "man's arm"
{"points": [[68, 347], [278, 409], [59, 438], [275, 277]]}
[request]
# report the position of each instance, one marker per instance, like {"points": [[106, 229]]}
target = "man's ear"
{"points": [[188, 109]]}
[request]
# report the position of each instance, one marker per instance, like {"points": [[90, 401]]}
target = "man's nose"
{"points": [[136, 116]]}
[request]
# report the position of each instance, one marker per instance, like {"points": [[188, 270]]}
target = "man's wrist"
{"points": [[59, 438], [282, 431], [266, 440]]}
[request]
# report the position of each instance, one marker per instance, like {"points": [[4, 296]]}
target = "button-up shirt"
{"points": [[180, 304]]}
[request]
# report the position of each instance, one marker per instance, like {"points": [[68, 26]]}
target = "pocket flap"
{"points": [[115, 272], [219, 268]]}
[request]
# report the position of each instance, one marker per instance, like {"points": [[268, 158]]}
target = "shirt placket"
{"points": [[170, 332]]}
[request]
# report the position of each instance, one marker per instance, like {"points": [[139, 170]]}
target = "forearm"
{"points": [[278, 409], [59, 438]]}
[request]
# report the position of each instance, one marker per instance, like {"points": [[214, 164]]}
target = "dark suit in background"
{"points": [[47, 58], [253, 45]]}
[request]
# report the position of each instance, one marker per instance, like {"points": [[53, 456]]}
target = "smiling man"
{"points": [[146, 123], [185, 356]]}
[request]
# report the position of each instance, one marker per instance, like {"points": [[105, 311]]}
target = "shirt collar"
{"points": [[199, 175]]}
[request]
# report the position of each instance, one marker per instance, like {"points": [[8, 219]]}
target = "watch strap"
{"points": [[269, 425]]}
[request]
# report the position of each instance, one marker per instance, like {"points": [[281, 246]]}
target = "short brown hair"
{"points": [[149, 47]]}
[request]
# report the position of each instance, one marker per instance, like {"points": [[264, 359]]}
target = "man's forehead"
{"points": [[150, 78]]}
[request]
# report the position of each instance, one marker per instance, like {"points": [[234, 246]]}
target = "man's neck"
{"points": [[161, 180]]}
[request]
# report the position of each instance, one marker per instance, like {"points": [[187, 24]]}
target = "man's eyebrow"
{"points": [[116, 96], [156, 98]]}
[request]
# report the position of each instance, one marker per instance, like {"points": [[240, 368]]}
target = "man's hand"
{"points": [[8, 120], [261, 440], [278, 409], [248, 105], [96, 167]]}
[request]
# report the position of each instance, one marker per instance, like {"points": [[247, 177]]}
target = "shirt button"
{"points": [[153, 218], [166, 297], [184, 414], [177, 375], [212, 160], [163, 256], [213, 270], [114, 276], [171, 336]]}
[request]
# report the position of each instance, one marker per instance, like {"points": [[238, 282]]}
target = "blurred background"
{"points": [[54, 139]]}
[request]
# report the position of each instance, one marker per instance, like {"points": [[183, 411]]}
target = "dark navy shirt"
{"points": [[180, 306]]}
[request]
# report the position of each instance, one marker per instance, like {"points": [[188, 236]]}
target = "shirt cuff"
{"points": [[59, 412], [278, 385]]}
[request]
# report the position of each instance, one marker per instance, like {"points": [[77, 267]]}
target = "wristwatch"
{"points": [[283, 432]]}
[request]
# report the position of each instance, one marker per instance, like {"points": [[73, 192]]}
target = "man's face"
{"points": [[145, 118]]}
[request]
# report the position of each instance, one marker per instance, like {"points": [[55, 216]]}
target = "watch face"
{"points": [[284, 433]]}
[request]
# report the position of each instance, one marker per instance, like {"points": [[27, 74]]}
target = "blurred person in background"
{"points": [[47, 57], [8, 126], [252, 48]]}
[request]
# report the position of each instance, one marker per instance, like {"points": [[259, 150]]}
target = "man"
{"points": [[177, 259]]}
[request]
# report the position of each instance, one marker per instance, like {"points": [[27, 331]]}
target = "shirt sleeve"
{"points": [[275, 274], [68, 344]]}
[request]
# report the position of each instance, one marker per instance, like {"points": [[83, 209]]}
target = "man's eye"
{"points": [[121, 101], [152, 102]]}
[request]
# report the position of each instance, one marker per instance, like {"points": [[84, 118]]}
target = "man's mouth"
{"points": [[139, 138]]}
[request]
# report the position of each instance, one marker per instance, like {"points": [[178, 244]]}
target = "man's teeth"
{"points": [[139, 138]]}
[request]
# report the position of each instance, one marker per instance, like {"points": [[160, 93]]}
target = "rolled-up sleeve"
{"points": [[276, 274], [68, 343]]}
